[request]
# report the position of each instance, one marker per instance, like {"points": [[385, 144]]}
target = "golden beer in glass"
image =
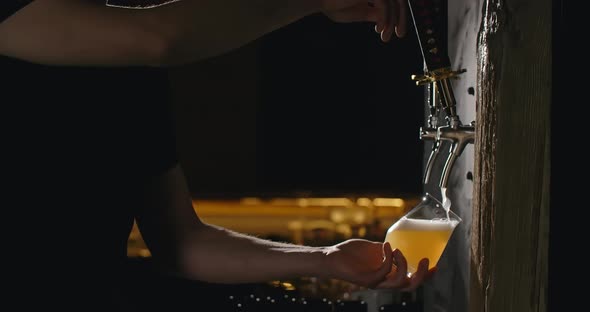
{"points": [[423, 232]]}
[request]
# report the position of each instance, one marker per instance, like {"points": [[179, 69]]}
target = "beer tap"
{"points": [[459, 136], [428, 133], [454, 132], [429, 23]]}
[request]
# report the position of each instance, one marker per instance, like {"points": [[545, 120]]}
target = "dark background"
{"points": [[569, 23], [314, 108]]}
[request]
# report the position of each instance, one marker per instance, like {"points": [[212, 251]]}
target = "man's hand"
{"points": [[389, 15], [374, 265]]}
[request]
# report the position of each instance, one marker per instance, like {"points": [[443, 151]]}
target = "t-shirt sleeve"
{"points": [[138, 3], [9, 7]]}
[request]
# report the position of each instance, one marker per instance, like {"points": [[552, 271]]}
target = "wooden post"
{"points": [[510, 223]]}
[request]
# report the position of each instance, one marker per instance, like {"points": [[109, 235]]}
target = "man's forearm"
{"points": [[218, 255], [197, 29], [75, 32]]}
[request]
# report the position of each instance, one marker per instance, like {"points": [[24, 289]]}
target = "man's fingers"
{"points": [[399, 277], [391, 18], [402, 22], [371, 15], [359, 13], [380, 6], [401, 264], [387, 263], [419, 276], [385, 267], [430, 273]]}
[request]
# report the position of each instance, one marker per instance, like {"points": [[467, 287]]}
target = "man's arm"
{"points": [[83, 32], [77, 32], [184, 245]]}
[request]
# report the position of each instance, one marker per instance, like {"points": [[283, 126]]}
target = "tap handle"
{"points": [[430, 24]]}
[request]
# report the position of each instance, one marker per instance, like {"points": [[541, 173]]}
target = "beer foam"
{"points": [[407, 224]]}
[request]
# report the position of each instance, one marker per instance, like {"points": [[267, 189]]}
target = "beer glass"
{"points": [[423, 232]]}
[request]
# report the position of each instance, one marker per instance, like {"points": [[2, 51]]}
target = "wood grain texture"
{"points": [[510, 237]]}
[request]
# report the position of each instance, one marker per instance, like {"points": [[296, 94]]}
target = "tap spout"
{"points": [[431, 160], [460, 137], [430, 135]]}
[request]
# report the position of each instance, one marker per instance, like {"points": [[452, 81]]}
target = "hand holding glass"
{"points": [[423, 232]]}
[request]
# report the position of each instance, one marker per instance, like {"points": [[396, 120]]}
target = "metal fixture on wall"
{"points": [[429, 22]]}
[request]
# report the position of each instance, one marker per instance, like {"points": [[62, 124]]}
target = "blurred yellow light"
{"points": [[288, 286], [391, 202], [359, 216], [363, 201], [303, 202], [337, 216], [329, 202], [250, 201]]}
